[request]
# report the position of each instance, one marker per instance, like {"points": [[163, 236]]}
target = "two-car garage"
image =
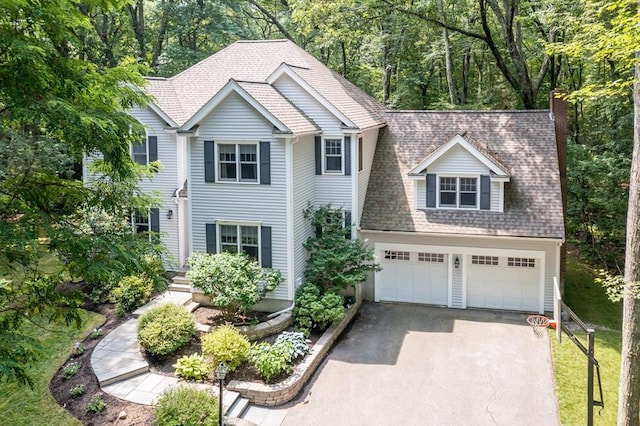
{"points": [[461, 277]]}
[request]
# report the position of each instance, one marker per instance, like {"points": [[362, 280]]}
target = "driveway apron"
{"points": [[420, 365]]}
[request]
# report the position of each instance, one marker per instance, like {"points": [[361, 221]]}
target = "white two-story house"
{"points": [[464, 209]]}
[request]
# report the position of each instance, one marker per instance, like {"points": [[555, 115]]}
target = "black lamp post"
{"points": [[221, 372]]}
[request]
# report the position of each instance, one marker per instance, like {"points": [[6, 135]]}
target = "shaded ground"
{"points": [[120, 412], [134, 414]]}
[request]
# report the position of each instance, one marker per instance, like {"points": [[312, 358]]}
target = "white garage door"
{"points": [[414, 277], [511, 283]]}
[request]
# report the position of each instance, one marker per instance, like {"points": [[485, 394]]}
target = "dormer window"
{"points": [[459, 192]]}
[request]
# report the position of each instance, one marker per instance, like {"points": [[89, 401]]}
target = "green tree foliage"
{"points": [[233, 281], [336, 262], [53, 107]]}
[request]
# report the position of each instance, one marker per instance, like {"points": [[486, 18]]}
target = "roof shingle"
{"points": [[524, 141], [183, 95]]}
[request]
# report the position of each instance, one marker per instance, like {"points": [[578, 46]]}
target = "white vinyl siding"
{"points": [[328, 122], [369, 140], [496, 187], [458, 161], [235, 119], [164, 183], [303, 194]]}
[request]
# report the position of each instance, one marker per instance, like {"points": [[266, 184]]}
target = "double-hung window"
{"points": [[459, 192], [140, 223], [238, 162], [333, 155], [139, 152], [240, 239]]}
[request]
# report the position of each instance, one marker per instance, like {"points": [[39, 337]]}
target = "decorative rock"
{"points": [[122, 415]]}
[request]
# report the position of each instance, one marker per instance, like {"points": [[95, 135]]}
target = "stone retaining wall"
{"points": [[258, 331], [285, 391]]}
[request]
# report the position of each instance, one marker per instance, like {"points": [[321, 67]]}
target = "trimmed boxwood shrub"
{"points": [[131, 292], [225, 344], [186, 405], [164, 329], [316, 310]]}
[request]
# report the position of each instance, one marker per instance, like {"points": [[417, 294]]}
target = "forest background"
{"points": [[436, 54]]}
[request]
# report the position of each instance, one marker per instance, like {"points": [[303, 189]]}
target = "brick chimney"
{"points": [[558, 107]]}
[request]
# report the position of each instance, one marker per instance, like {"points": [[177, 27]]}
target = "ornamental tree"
{"points": [[233, 281], [336, 261]]}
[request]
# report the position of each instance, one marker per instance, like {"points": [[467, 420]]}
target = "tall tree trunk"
{"points": [[451, 81], [629, 389], [137, 20]]}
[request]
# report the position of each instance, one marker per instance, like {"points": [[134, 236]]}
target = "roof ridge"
{"points": [[466, 111]]}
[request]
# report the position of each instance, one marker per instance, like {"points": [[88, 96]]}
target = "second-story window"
{"points": [[238, 162], [459, 192], [139, 153], [333, 155]]}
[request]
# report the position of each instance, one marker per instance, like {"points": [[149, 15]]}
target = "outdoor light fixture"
{"points": [[456, 262], [169, 214], [221, 372]]}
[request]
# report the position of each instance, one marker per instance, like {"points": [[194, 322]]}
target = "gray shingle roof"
{"points": [[524, 141], [280, 107], [183, 95]]}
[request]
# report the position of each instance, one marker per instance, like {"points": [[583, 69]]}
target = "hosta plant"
{"points": [[192, 367]]}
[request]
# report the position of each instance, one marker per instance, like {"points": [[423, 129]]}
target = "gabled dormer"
{"points": [[460, 174]]}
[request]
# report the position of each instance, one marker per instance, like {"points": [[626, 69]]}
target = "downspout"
{"points": [[275, 314]]}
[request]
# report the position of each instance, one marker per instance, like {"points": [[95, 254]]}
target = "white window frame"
{"points": [[324, 155], [144, 143], [237, 161], [239, 244], [457, 206]]}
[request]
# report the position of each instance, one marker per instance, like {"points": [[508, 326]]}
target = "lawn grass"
{"points": [[21, 405], [589, 301]]}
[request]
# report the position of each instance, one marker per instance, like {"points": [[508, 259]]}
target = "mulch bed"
{"points": [[118, 411]]}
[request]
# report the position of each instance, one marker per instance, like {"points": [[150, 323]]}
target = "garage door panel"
{"points": [[414, 281], [503, 287]]}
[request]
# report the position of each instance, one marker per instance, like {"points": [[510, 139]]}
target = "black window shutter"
{"points": [[211, 238], [265, 163], [360, 154], [318, 155], [485, 192], [154, 219], [431, 190], [347, 224], [209, 162], [153, 148], [265, 241], [347, 155]]}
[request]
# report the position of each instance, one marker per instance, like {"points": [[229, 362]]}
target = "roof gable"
{"points": [[474, 149], [285, 69], [183, 96], [523, 140], [234, 87]]}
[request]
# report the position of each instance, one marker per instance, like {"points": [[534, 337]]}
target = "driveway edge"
{"points": [[285, 391]]}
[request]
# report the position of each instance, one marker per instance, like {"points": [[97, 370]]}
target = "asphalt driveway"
{"points": [[418, 365]]}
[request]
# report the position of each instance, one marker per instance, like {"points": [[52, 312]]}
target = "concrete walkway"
{"points": [[123, 372]]}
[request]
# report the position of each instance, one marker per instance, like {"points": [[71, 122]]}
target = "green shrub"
{"points": [[185, 405], [71, 370], [192, 367], [295, 342], [77, 391], [225, 344], [96, 405], [131, 292], [233, 281], [271, 360], [316, 310], [164, 329]]}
